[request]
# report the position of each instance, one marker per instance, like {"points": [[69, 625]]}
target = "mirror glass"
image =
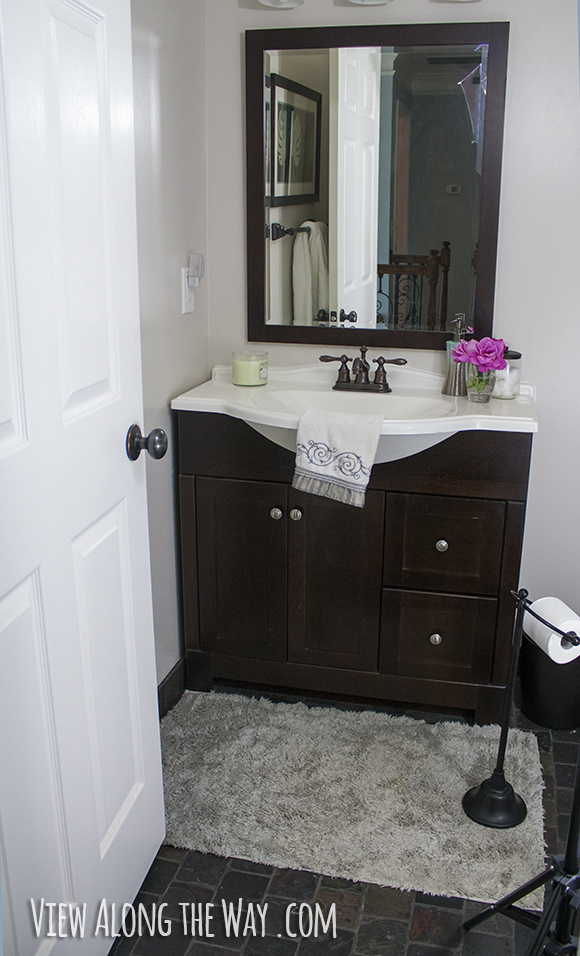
{"points": [[373, 181]]}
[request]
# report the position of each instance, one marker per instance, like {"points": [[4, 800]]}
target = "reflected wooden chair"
{"points": [[418, 298]]}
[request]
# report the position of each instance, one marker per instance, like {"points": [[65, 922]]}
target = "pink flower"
{"points": [[464, 350], [487, 354]]}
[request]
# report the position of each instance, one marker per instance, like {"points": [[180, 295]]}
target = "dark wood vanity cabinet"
{"points": [[405, 600], [287, 576]]}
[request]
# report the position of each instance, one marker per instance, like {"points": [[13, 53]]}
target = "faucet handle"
{"points": [[343, 372], [380, 374]]}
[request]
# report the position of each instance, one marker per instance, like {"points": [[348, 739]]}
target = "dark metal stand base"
{"points": [[494, 803], [353, 387], [553, 927]]}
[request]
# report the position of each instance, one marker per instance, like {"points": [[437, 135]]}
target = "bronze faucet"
{"points": [[360, 370]]}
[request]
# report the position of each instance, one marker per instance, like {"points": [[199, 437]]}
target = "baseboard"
{"points": [[198, 670], [171, 688]]}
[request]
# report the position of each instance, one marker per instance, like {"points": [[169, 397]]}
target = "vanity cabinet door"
{"points": [[437, 543], [334, 581], [242, 553]]}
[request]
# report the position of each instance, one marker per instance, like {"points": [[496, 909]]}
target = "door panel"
{"points": [[242, 555], [81, 806], [79, 145], [33, 804], [355, 76], [335, 581], [108, 653], [12, 408]]}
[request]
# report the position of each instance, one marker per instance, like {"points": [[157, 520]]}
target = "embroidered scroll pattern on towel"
{"points": [[346, 462]]}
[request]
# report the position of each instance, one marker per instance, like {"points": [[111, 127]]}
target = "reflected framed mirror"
{"points": [[373, 181]]}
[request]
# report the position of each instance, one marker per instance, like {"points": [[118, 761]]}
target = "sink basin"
{"points": [[393, 407], [415, 414]]}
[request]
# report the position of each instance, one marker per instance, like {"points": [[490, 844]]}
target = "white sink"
{"points": [[415, 414], [393, 407]]}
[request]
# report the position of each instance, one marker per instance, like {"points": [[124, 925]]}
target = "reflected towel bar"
{"points": [[277, 231]]}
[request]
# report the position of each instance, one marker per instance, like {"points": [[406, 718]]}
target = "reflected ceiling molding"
{"points": [[281, 3]]}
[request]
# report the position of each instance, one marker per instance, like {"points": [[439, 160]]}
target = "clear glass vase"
{"points": [[479, 384]]}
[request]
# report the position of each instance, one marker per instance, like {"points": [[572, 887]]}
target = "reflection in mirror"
{"points": [[377, 163], [417, 124]]}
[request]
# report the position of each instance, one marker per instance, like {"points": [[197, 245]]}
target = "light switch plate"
{"points": [[187, 301]]}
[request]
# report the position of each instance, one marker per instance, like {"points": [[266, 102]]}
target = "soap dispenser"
{"points": [[455, 381]]}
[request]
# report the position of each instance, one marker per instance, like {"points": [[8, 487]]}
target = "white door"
{"points": [[355, 85], [81, 812]]}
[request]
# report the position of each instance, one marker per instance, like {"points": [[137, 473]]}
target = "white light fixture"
{"points": [[373, 3], [281, 3]]}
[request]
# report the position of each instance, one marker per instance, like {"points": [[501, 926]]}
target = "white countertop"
{"points": [[414, 407]]}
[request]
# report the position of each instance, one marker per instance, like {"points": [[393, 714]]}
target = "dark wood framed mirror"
{"points": [[420, 78]]}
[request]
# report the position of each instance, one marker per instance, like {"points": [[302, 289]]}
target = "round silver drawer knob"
{"points": [[435, 638], [296, 514], [442, 545], [276, 514]]}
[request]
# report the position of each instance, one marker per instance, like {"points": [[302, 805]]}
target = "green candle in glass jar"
{"points": [[249, 367]]}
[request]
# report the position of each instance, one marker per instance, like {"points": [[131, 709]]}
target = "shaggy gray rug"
{"points": [[363, 796]]}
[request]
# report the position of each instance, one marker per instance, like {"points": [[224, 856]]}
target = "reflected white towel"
{"points": [[310, 272], [335, 454]]}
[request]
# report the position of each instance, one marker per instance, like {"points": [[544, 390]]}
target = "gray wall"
{"points": [[170, 117], [539, 236], [190, 108]]}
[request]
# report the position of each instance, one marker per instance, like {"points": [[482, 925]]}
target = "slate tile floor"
{"points": [[371, 920]]}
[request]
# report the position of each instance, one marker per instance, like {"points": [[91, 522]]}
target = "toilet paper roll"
{"points": [[559, 615]]}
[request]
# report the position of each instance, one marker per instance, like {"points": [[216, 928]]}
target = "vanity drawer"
{"points": [[437, 636], [443, 544]]}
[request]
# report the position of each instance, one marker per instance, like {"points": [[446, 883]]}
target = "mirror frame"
{"points": [[496, 35]]}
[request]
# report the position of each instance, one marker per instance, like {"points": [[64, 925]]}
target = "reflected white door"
{"points": [[355, 85], [81, 811]]}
